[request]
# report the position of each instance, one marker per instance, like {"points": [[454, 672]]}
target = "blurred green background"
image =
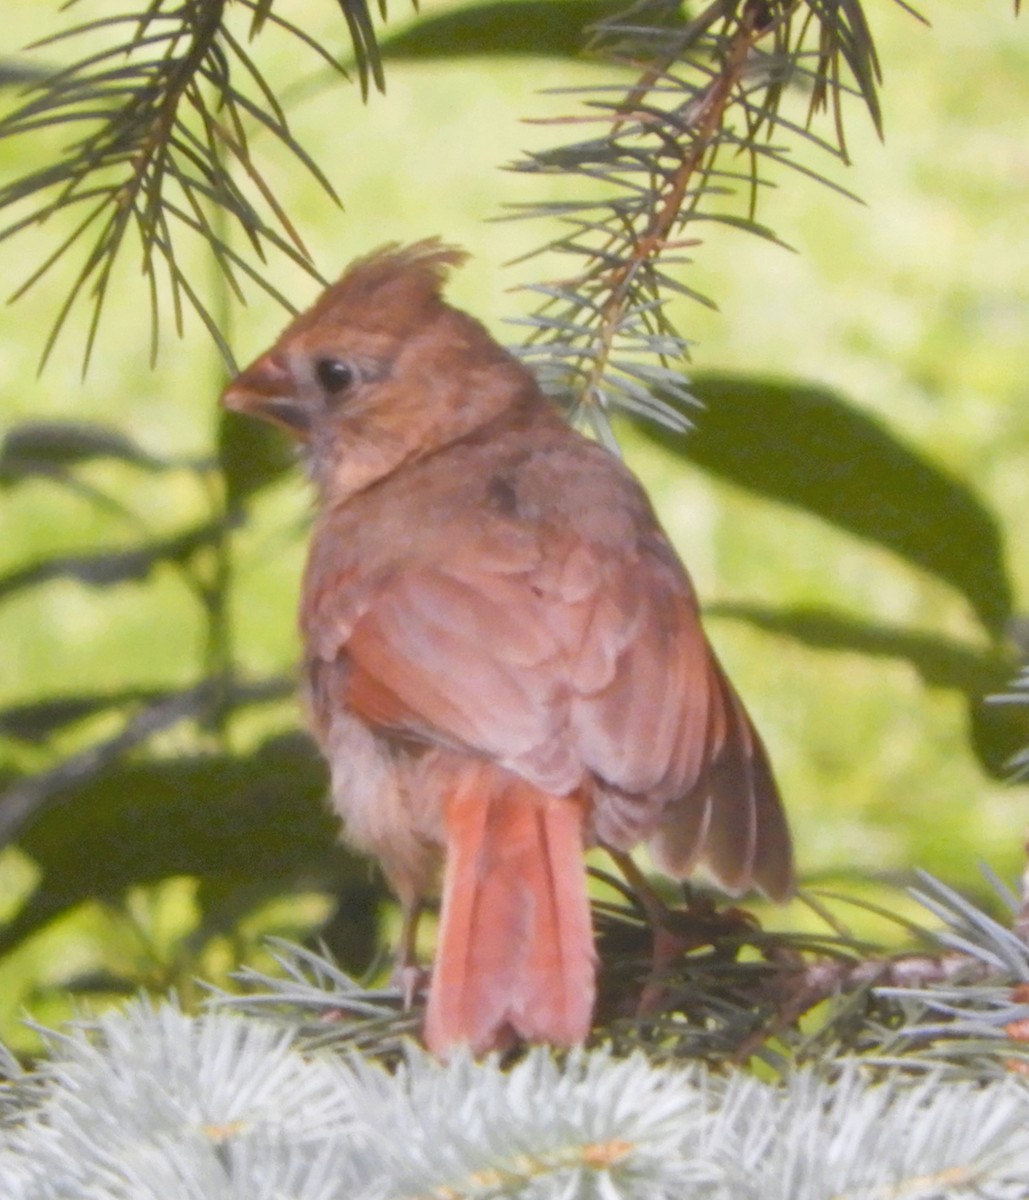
{"points": [[913, 307]]}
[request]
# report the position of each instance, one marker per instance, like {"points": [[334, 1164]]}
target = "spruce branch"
{"points": [[151, 1103], [169, 108], [700, 983], [976, 1025], [707, 89], [315, 997], [959, 1003]]}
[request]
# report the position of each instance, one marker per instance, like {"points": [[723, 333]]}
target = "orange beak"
{"points": [[267, 390]]}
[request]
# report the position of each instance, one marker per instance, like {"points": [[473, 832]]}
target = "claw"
{"points": [[408, 977]]}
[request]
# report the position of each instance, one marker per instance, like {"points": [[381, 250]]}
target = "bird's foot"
{"points": [[410, 980]]}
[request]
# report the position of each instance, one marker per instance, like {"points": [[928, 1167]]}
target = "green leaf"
{"points": [[109, 567], [940, 661], [37, 721], [42, 447], [15, 73], [252, 456], [997, 731], [810, 448], [230, 821], [536, 28]]}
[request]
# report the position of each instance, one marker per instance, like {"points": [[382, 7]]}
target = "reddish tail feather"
{"points": [[515, 953]]}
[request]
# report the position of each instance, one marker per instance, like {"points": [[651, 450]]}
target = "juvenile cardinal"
{"points": [[504, 658]]}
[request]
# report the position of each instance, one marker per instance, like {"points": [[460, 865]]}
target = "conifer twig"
{"points": [[705, 88]]}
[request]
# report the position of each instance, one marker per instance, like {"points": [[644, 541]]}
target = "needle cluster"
{"points": [[160, 120], [152, 1103], [693, 137]]}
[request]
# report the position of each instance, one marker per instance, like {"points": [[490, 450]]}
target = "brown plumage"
{"points": [[504, 656]]}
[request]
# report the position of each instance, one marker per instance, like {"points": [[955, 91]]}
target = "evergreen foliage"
{"points": [[764, 1064], [309, 1087], [153, 1103]]}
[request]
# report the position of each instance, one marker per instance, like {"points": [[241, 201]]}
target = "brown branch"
{"points": [[699, 949], [703, 118], [800, 987], [177, 81]]}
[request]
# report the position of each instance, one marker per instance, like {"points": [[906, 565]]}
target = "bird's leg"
{"points": [[676, 931], [654, 908], [408, 976], [671, 935], [666, 945]]}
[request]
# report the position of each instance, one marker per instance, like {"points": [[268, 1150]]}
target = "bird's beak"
{"points": [[267, 389]]}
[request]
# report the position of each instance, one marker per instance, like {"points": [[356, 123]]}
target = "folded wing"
{"points": [[584, 672]]}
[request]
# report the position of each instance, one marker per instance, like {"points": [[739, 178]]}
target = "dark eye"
{"points": [[334, 375]]}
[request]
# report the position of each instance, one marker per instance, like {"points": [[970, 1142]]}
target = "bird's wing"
{"points": [[469, 658], [675, 755], [574, 663]]}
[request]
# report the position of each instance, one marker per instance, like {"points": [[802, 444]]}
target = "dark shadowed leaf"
{"points": [[17, 72], [1000, 735], [38, 720], [100, 983], [109, 567], [233, 822], [997, 731], [23, 802], [252, 455], [810, 448], [537, 28], [940, 661], [36, 447]]}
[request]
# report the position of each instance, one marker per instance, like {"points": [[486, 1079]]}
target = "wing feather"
{"points": [[570, 664], [732, 820], [465, 671]]}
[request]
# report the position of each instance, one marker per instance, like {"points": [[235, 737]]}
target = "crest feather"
{"points": [[428, 261], [388, 289]]}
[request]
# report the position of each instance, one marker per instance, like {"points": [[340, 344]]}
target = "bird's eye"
{"points": [[334, 375]]}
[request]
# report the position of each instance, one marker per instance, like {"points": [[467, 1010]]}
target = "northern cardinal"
{"points": [[504, 658]]}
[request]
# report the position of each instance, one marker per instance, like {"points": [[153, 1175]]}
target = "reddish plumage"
{"points": [[504, 656], [515, 946]]}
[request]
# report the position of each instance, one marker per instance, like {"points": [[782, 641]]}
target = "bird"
{"points": [[504, 663]]}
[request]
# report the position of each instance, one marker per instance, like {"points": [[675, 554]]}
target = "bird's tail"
{"points": [[515, 955]]}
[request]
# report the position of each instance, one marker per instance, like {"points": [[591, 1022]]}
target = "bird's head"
{"points": [[380, 370]]}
